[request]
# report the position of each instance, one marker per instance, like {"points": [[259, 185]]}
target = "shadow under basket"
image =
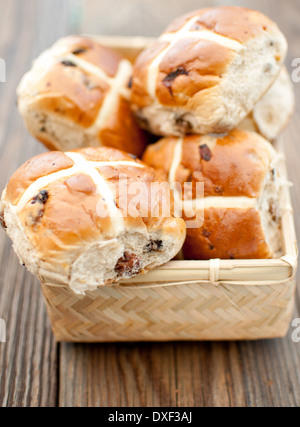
{"points": [[184, 300]]}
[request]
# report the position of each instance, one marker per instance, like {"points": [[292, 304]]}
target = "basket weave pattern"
{"points": [[164, 313]]}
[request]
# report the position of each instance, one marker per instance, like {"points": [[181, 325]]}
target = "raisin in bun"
{"points": [[241, 193], [207, 71], [77, 95], [71, 225], [272, 113]]}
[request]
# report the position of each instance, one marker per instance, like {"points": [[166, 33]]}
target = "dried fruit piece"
{"points": [[79, 50], [42, 198], [169, 79], [205, 152], [2, 221], [68, 63], [128, 265], [154, 245]]}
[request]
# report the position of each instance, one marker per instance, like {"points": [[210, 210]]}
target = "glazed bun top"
{"points": [[80, 84], [207, 71], [80, 69], [61, 207], [232, 165], [239, 176]]}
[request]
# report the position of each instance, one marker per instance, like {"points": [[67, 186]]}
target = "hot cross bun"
{"points": [[77, 95], [237, 212], [90, 217], [207, 71]]}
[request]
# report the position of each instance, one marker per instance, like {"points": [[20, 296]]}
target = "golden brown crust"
{"points": [[65, 212], [105, 154], [29, 172], [93, 52], [227, 234], [230, 166], [140, 95], [68, 216], [196, 78], [160, 155], [233, 169], [179, 22], [238, 23], [70, 93], [206, 62], [44, 139], [121, 124], [98, 55]]}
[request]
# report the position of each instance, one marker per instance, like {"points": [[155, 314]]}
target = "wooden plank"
{"points": [[28, 359], [254, 374], [118, 375]]}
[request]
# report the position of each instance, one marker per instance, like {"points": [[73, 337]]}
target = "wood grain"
{"points": [[34, 370], [28, 360]]}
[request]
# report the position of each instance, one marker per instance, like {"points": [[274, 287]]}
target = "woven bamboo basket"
{"points": [[184, 300]]}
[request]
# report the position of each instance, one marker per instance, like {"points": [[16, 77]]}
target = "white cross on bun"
{"points": [[77, 95], [241, 213], [68, 219], [207, 71]]}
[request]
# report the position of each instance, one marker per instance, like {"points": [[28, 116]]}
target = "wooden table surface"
{"points": [[34, 369]]}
